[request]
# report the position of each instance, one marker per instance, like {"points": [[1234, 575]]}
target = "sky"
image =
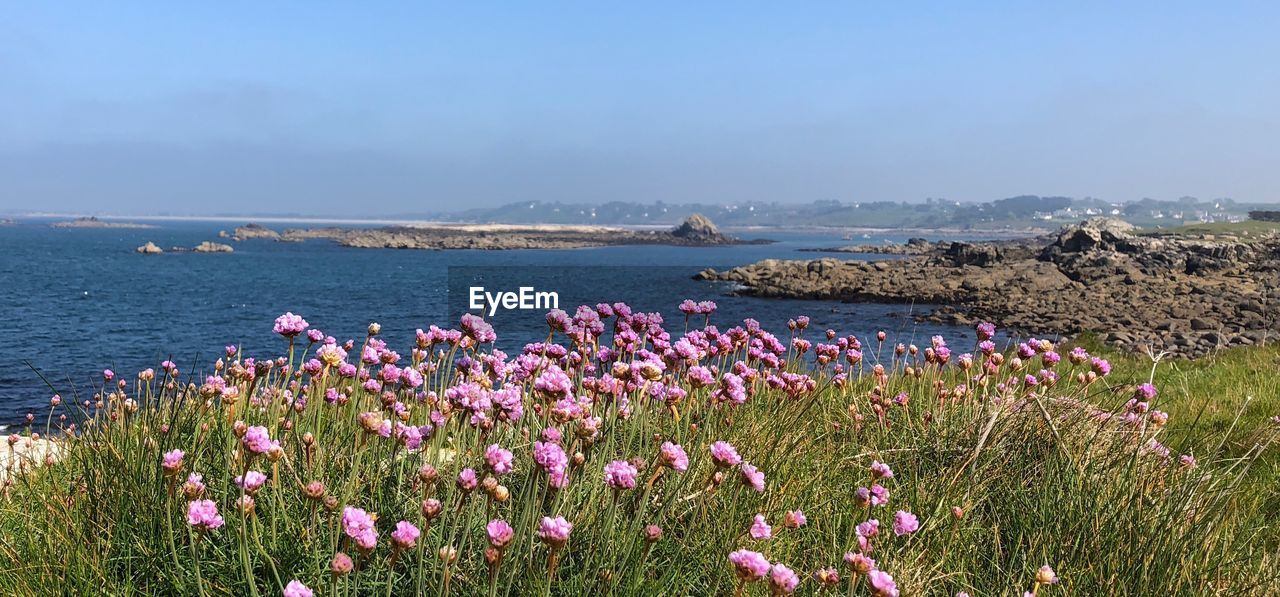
{"points": [[386, 108]]}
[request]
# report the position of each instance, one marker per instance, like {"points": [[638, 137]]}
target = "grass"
{"points": [[1004, 477], [1246, 230]]}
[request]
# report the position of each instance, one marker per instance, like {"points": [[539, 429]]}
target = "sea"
{"points": [[76, 301]]}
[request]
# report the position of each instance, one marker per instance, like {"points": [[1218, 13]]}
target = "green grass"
{"points": [[1246, 230], [1039, 476]]}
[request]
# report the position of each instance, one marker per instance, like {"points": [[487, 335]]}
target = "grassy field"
{"points": [[720, 461], [1248, 229]]}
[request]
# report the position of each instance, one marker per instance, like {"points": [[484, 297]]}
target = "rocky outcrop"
{"points": [[696, 231], [1186, 296], [212, 247], [913, 246], [252, 231], [94, 222], [149, 249]]}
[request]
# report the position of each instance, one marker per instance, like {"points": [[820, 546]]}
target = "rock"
{"points": [[1199, 324], [981, 255], [149, 249], [212, 247], [699, 229], [250, 231]]}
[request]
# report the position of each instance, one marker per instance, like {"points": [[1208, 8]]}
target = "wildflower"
{"points": [[652, 533], [194, 487], [359, 526], [879, 495], [297, 589], [251, 481], [760, 529], [245, 504], [203, 515], [674, 456], [724, 455], [860, 564], [905, 523], [1046, 576], [827, 577], [258, 440], [749, 565], [500, 533], [782, 580], [986, 330], [341, 564], [290, 325], [467, 480], [880, 470], [620, 474], [752, 476], [405, 535], [1187, 461], [172, 462], [431, 508], [554, 531], [500, 461], [882, 584], [794, 519]]}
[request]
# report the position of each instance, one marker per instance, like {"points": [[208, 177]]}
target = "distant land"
{"points": [[1021, 213]]}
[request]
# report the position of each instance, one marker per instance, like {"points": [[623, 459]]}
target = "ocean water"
{"points": [[76, 301]]}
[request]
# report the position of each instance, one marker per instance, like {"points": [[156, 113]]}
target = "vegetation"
{"points": [[617, 457], [1248, 229]]}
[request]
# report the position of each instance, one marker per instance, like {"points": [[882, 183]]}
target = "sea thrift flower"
{"points": [[1145, 392], [341, 564], [880, 470], [752, 476], [172, 462], [297, 589], [749, 565], [203, 515], [405, 535], [882, 584], [290, 325], [620, 474], [859, 563], [905, 523], [500, 533], [194, 487], [500, 461], [251, 481], [760, 529], [782, 580], [359, 526], [467, 480], [674, 456], [724, 455], [1046, 576], [554, 531], [258, 440], [794, 519]]}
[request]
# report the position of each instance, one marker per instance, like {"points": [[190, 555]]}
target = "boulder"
{"points": [[149, 249], [699, 229], [212, 247]]}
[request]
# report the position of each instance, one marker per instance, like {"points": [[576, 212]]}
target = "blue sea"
{"points": [[76, 301]]}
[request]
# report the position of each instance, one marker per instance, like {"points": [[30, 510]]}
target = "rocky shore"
{"points": [[93, 222], [1187, 296], [151, 248], [695, 231]]}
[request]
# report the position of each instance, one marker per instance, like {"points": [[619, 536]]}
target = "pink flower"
{"points": [[405, 535], [359, 526], [760, 529], [290, 325], [783, 580], [725, 455], [553, 460], [1046, 576], [467, 480], [904, 523], [341, 564], [258, 440], [500, 461], [749, 565], [500, 533], [880, 470], [297, 589], [620, 474], [674, 456], [554, 531], [203, 514], [859, 563], [172, 461], [882, 584], [794, 519], [753, 477], [251, 481]]}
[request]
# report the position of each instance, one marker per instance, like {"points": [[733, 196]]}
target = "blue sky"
{"points": [[383, 108]]}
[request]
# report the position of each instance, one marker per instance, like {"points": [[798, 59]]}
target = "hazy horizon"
{"points": [[389, 109]]}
